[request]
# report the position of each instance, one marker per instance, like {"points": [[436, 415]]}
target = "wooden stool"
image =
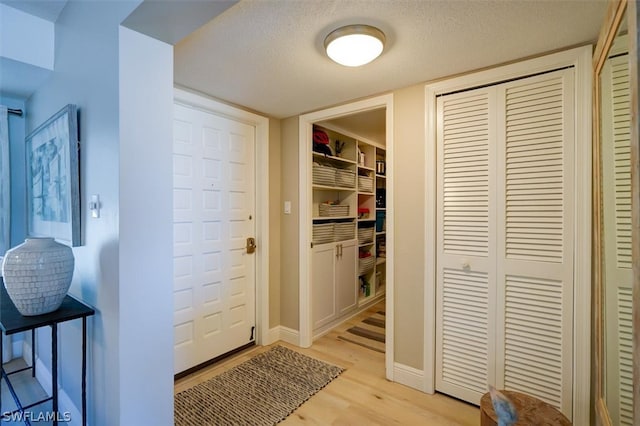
{"points": [[531, 411]]}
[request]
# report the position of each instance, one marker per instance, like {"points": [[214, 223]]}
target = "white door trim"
{"points": [[261, 125], [580, 58], [305, 126]]}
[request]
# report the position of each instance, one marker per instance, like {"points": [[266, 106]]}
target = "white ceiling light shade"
{"points": [[354, 45]]}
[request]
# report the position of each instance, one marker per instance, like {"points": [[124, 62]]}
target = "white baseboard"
{"points": [[408, 376], [284, 334], [66, 407], [272, 336], [17, 348], [26, 351]]}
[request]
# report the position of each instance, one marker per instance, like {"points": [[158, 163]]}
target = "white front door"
{"points": [[213, 215]]}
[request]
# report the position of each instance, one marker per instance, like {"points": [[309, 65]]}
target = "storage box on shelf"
{"points": [[322, 233], [344, 231], [333, 210], [324, 175], [365, 234], [365, 183], [345, 178], [366, 264], [366, 258]]}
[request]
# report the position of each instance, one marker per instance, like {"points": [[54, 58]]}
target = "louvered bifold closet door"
{"points": [[618, 275], [466, 243], [535, 216]]}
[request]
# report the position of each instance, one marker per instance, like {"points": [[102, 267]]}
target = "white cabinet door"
{"points": [[323, 294], [346, 288], [334, 291]]}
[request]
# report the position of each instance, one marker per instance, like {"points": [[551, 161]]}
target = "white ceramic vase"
{"points": [[37, 275]]}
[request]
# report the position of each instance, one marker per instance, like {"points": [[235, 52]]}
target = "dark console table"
{"points": [[11, 322]]}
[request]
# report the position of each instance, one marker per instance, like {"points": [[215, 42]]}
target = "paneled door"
{"points": [[213, 214]]}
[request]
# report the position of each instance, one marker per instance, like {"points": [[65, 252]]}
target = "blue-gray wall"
{"points": [[16, 154], [87, 74]]}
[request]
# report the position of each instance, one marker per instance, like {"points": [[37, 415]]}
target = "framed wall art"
{"points": [[53, 181]]}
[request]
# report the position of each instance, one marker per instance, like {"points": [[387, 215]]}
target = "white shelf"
{"points": [[380, 260], [331, 158], [316, 218], [332, 188]]}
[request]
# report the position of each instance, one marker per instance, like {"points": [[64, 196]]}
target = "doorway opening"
{"points": [[346, 220]]}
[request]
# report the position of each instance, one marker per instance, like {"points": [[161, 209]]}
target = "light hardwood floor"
{"points": [[361, 394]]}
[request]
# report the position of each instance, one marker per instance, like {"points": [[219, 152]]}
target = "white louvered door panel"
{"points": [[618, 276], [466, 241], [535, 212]]}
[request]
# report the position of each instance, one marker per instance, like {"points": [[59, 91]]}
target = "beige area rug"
{"points": [[368, 333], [261, 391]]}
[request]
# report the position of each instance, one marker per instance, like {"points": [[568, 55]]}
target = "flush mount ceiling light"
{"points": [[354, 45]]}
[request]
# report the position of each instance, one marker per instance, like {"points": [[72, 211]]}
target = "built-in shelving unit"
{"points": [[348, 213]]}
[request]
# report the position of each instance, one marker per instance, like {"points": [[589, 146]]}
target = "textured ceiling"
{"points": [[267, 55]]}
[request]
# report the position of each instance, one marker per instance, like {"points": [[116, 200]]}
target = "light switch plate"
{"points": [[94, 206]]}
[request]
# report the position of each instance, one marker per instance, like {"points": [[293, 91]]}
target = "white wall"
{"points": [[86, 74], [26, 38], [146, 230]]}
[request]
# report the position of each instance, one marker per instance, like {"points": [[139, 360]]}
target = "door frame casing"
{"points": [[580, 59], [305, 337], [203, 102]]}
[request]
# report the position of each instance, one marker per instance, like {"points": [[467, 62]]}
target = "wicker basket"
{"points": [[345, 178], [324, 175], [333, 210], [365, 235], [323, 233], [365, 183], [366, 264], [344, 231]]}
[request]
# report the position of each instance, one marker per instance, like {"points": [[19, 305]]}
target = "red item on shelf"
{"points": [[320, 136]]}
